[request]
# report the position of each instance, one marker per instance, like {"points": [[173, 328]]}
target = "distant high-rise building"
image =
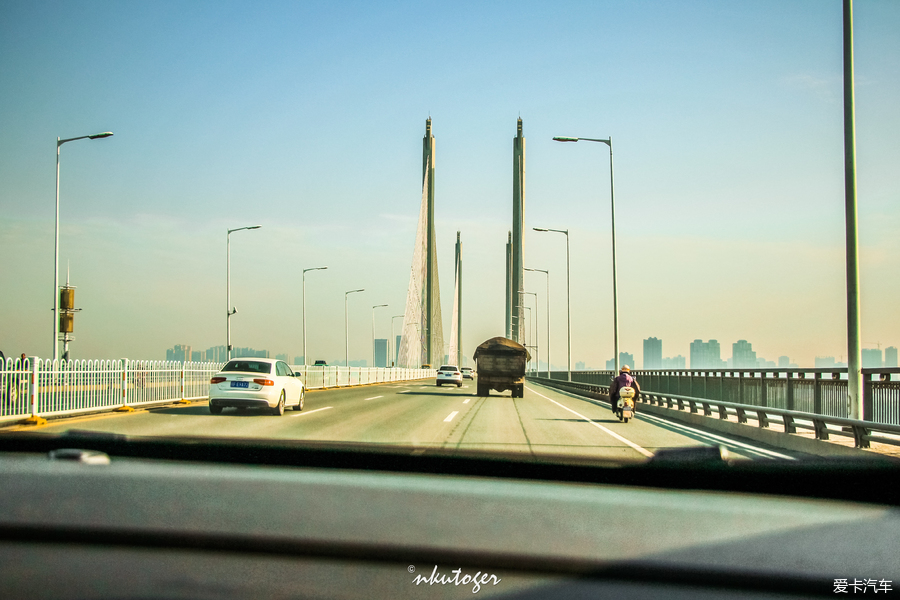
{"points": [[216, 354], [890, 356], [675, 362], [825, 362], [579, 366], [397, 351], [180, 353], [283, 357], [871, 358], [653, 353], [298, 360], [196, 356], [784, 362], [625, 358], [381, 352], [706, 355], [742, 355], [249, 353]]}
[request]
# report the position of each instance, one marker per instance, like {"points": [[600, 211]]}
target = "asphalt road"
{"points": [[424, 417]]}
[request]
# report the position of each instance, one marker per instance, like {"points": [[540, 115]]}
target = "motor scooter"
{"points": [[625, 404]]}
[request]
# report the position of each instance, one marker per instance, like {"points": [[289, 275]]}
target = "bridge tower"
{"points": [[456, 324], [517, 272], [423, 338]]}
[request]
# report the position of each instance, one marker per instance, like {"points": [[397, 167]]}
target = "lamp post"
{"points": [[60, 142], [373, 334], [537, 345], [347, 328], [855, 386], [306, 362], [547, 273], [612, 202], [229, 310], [568, 303], [393, 341]]}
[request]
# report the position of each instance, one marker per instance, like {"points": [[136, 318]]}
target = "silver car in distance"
{"points": [[449, 374], [256, 383]]}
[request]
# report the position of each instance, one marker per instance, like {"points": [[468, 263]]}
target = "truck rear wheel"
{"points": [[483, 390]]}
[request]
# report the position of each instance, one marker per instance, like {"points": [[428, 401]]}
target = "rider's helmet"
{"points": [[625, 369]]}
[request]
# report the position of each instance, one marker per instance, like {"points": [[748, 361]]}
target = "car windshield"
{"points": [[248, 366], [283, 157]]}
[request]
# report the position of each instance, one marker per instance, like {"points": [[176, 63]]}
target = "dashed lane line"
{"points": [[450, 416], [311, 411], [466, 401], [374, 397], [643, 451]]}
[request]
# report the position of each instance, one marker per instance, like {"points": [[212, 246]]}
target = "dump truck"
{"points": [[501, 366]]}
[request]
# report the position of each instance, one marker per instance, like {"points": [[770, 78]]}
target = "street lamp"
{"points": [[568, 304], [393, 341], [537, 353], [373, 334], [305, 362], [347, 328], [60, 142], [612, 202], [229, 310], [547, 273]]}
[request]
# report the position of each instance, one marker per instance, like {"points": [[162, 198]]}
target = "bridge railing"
{"points": [[46, 388], [816, 391], [823, 426], [318, 376]]}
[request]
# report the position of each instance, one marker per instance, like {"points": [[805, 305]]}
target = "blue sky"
{"points": [[307, 118]]}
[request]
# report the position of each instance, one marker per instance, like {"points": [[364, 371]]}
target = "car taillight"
{"points": [[217, 380], [264, 381]]}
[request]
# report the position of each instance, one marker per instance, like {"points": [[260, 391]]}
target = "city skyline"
{"points": [[729, 171]]}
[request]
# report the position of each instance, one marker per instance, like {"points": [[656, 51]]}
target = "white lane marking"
{"points": [[761, 451], [450, 416], [311, 411], [643, 451], [374, 397], [466, 401]]}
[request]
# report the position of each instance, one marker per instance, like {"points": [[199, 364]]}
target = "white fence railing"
{"points": [[318, 377], [44, 388]]}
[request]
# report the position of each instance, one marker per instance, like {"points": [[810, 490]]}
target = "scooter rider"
{"points": [[624, 379]]}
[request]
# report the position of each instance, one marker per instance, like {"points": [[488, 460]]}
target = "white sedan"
{"points": [[449, 374], [256, 383]]}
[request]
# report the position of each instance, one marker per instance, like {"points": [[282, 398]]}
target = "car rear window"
{"points": [[448, 368], [248, 366]]}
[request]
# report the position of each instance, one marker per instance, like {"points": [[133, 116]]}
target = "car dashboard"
{"points": [[198, 519]]}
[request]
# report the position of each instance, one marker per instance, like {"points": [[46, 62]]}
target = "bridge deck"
{"points": [[427, 418]]}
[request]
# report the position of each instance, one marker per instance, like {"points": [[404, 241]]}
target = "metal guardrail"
{"points": [[862, 432], [41, 388], [817, 391]]}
